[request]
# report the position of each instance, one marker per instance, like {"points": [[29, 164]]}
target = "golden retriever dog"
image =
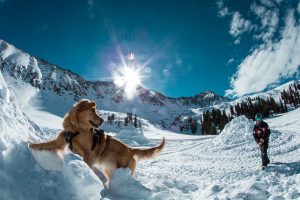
{"points": [[109, 153]]}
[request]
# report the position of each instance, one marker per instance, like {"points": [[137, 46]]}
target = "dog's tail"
{"points": [[141, 154]]}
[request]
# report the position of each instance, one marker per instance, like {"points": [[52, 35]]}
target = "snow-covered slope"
{"points": [[226, 166], [63, 87], [275, 92], [22, 177]]}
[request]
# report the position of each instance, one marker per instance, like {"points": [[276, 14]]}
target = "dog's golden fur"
{"points": [[110, 153]]}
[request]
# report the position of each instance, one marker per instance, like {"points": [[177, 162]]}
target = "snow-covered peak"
{"points": [[275, 92], [60, 83]]}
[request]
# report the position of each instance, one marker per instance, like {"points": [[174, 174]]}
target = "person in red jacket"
{"points": [[261, 134]]}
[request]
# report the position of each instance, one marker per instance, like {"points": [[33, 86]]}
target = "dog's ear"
{"points": [[73, 118], [70, 121], [82, 105]]}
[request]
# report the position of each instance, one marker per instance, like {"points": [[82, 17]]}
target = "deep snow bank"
{"points": [[14, 126], [238, 131], [22, 177]]}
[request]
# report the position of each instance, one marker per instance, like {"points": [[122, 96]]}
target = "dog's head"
{"points": [[82, 116]]}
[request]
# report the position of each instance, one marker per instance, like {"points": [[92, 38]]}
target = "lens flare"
{"points": [[128, 78]]}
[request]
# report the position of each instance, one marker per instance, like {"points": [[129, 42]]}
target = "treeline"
{"points": [[291, 96], [214, 120], [128, 119], [267, 107], [133, 120], [189, 124]]}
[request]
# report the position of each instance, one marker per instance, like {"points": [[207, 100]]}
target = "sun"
{"points": [[132, 77], [128, 78]]}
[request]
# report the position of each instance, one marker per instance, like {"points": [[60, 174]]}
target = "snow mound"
{"points": [[238, 131], [22, 171], [82, 179], [124, 186], [22, 178], [14, 125], [48, 160], [132, 136]]}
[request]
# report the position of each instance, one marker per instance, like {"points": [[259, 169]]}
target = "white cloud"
{"points": [[237, 41], [222, 10], [268, 19], [267, 3], [231, 60], [270, 62], [239, 25], [257, 9], [166, 72], [220, 4]]}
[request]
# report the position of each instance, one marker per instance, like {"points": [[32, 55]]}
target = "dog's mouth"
{"points": [[94, 125]]}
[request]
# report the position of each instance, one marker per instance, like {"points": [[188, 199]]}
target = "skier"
{"points": [[261, 133]]}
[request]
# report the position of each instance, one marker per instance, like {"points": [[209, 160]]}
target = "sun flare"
{"points": [[128, 78]]}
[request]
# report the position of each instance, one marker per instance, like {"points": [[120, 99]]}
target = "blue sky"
{"points": [[230, 47]]}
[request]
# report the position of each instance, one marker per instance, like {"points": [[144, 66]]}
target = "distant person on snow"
{"points": [[261, 134]]}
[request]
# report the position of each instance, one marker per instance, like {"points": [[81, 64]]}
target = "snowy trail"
{"points": [[228, 166]]}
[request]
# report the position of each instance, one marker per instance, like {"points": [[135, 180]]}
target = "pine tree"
{"points": [[282, 110], [113, 117], [232, 111], [203, 121], [194, 126], [213, 129], [135, 121], [126, 121], [224, 121]]}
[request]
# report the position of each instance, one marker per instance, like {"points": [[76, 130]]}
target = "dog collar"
{"points": [[69, 136], [96, 137]]}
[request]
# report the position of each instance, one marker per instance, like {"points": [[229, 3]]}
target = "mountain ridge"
{"points": [[50, 77]]}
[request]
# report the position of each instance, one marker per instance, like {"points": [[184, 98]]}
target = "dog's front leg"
{"points": [[58, 144], [87, 158]]}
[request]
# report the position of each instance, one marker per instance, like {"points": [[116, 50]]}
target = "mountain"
{"points": [[60, 86]]}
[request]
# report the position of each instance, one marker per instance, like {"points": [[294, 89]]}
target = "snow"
{"points": [[13, 124], [10, 50], [124, 186], [21, 171], [223, 167], [235, 133], [82, 179], [226, 166]]}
